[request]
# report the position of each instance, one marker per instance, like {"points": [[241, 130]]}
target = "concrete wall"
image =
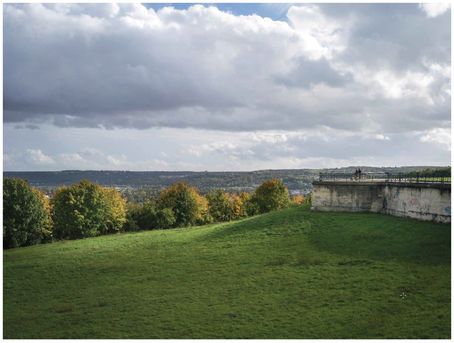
{"points": [[420, 201], [425, 202], [347, 196]]}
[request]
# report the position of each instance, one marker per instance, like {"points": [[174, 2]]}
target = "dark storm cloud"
{"points": [[351, 67]]}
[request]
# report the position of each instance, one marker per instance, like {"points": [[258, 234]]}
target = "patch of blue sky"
{"points": [[276, 11]]}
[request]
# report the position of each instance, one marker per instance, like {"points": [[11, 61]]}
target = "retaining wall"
{"points": [[420, 201]]}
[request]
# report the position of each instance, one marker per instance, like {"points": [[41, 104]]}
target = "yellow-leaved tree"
{"points": [[116, 210], [187, 205]]}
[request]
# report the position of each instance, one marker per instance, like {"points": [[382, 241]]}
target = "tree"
{"points": [[187, 205], [224, 207], [250, 207], [164, 218], [236, 206], [219, 205], [85, 210], [26, 214], [298, 199], [271, 195], [146, 217], [116, 210], [203, 215], [132, 214], [47, 228]]}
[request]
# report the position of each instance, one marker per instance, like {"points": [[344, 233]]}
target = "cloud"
{"points": [[355, 67], [435, 9], [191, 149], [36, 156], [283, 149], [438, 136]]}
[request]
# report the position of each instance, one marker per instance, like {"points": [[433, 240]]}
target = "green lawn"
{"points": [[287, 274]]}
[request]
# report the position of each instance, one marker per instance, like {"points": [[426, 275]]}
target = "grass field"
{"points": [[287, 274]]}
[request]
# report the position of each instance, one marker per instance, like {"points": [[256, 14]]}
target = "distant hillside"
{"points": [[295, 179]]}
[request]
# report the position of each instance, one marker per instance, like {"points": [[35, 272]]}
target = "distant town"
{"points": [[138, 186]]}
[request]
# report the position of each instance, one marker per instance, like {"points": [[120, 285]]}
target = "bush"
{"points": [[26, 215], [86, 210], [187, 205], [271, 195]]}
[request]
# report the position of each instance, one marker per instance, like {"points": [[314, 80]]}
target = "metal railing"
{"points": [[384, 177], [417, 178], [351, 176]]}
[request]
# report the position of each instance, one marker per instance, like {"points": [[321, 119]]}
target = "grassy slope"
{"points": [[288, 274]]}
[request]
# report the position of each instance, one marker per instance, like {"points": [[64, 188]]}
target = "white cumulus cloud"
{"points": [[435, 9]]}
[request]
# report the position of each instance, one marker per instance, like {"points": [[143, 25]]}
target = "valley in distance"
{"points": [[139, 185]]}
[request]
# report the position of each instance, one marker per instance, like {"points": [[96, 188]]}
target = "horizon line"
{"points": [[214, 171]]}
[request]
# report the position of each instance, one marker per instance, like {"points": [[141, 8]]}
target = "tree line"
{"points": [[431, 172], [86, 209]]}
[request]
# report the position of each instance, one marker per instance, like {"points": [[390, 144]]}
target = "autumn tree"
{"points": [[271, 195], [250, 207], [219, 206], [236, 206], [116, 210], [85, 210], [26, 214], [298, 199], [187, 205]]}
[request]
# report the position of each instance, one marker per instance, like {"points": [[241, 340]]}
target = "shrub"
{"points": [[271, 195], [26, 215], [85, 210], [187, 205]]}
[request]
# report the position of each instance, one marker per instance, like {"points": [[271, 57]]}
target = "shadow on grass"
{"points": [[381, 237], [356, 236]]}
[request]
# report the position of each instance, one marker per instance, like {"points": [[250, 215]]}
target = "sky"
{"points": [[225, 86]]}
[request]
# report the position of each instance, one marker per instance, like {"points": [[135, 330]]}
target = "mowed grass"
{"points": [[288, 274]]}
